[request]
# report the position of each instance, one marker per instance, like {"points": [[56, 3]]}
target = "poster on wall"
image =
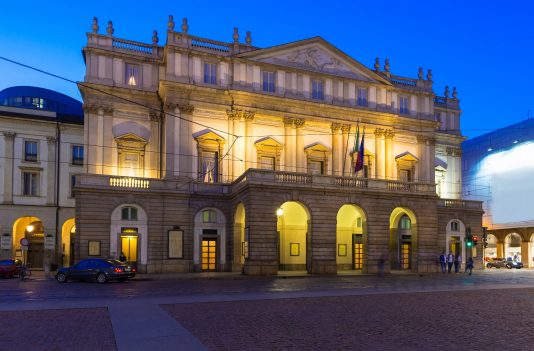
{"points": [[6, 242], [49, 243], [176, 244], [94, 248]]}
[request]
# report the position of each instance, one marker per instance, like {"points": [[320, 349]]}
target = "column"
{"points": [[239, 147], [457, 173], [422, 154], [336, 152], [288, 145], [380, 154], [345, 157], [169, 139], [100, 141], [8, 167], [525, 253], [299, 142], [186, 141], [249, 143], [233, 127], [389, 157], [51, 170], [431, 157]]}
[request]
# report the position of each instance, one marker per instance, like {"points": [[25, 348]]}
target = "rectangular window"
{"points": [[403, 105], [77, 154], [210, 73], [317, 89], [209, 216], [405, 175], [315, 167], [133, 74], [30, 184], [130, 164], [267, 163], [268, 82], [210, 167], [30, 151], [362, 96], [72, 185], [129, 213]]}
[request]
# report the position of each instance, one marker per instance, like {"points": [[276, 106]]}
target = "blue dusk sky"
{"points": [[484, 48]]}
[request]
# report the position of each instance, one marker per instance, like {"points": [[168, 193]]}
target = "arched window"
{"points": [[455, 226], [405, 222], [209, 216], [129, 213]]}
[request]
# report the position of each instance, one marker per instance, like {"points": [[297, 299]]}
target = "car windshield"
{"points": [[115, 262]]}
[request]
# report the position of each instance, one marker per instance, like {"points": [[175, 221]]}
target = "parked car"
{"points": [[503, 263], [96, 268], [10, 268]]}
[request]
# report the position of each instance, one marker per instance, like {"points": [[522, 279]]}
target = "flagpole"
{"points": [[346, 148]]}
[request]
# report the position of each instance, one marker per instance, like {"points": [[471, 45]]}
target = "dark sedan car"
{"points": [[502, 263], [10, 268], [96, 268]]}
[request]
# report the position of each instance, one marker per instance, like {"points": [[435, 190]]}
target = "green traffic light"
{"points": [[469, 244]]}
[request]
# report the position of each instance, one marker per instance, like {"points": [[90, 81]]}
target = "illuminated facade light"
{"points": [[30, 228], [279, 212]]}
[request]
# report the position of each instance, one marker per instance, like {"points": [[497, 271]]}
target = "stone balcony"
{"points": [[253, 177]]}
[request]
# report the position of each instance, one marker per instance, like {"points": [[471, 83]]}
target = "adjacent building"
{"points": [[204, 155], [497, 169], [41, 147]]}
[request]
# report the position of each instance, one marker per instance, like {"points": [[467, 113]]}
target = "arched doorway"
{"points": [[128, 234], [491, 251], [403, 239], [350, 240], [455, 239], [209, 251], [293, 237], [240, 242], [512, 247], [68, 231], [31, 228]]}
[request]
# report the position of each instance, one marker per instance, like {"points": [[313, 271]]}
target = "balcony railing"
{"points": [[466, 204]]}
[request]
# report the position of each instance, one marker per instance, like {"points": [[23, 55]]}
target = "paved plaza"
{"points": [[489, 310]]}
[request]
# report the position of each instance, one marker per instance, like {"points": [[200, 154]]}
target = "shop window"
{"points": [[129, 213]]}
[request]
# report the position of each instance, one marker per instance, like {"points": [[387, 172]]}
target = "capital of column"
{"points": [[51, 140], [379, 132], [345, 128], [186, 108], [299, 122], [453, 151], [288, 121], [234, 113], [422, 139], [432, 142], [155, 116], [335, 127], [248, 115], [9, 135], [389, 134]]}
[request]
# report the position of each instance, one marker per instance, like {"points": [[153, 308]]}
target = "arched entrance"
{"points": [[403, 239], [456, 239], [491, 251], [128, 234], [512, 247], [350, 240], [31, 228], [68, 231], [209, 251], [293, 237], [240, 242]]}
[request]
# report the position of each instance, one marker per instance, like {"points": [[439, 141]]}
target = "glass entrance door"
{"points": [[406, 255], [357, 251], [129, 248], [209, 254]]}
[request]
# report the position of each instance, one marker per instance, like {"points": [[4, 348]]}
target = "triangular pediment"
{"points": [[406, 156], [130, 137], [317, 55], [268, 142], [207, 135], [317, 147]]}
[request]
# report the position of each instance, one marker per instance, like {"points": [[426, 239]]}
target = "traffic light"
{"points": [[468, 237], [475, 240], [485, 236]]}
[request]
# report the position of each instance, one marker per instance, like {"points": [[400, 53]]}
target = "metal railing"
{"points": [[133, 46]]}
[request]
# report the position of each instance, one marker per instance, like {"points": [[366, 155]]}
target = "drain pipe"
{"points": [[59, 248]]}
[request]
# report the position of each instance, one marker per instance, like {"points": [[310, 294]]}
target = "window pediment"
{"points": [[407, 157], [268, 143], [130, 140], [207, 136], [317, 148]]}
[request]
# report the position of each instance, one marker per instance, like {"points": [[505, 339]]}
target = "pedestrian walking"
{"points": [[469, 265], [450, 261], [443, 262], [457, 263]]}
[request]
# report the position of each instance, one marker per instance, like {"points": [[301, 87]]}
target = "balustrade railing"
{"points": [[127, 182], [133, 46]]}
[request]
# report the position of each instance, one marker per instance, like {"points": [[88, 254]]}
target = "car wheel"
{"points": [[121, 280], [509, 266], [61, 277], [101, 278], [488, 265]]}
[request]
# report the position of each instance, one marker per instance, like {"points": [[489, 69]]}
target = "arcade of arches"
{"points": [[512, 244]]}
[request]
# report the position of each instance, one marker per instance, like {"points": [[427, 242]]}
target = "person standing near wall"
{"points": [[457, 263], [443, 262], [450, 261]]}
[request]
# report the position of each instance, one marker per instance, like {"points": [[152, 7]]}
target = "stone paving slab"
{"points": [[453, 320], [81, 329]]}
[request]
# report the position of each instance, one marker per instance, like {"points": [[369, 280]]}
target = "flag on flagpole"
{"points": [[358, 166], [356, 145]]}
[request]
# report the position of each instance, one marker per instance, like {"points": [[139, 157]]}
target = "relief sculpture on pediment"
{"points": [[316, 59]]}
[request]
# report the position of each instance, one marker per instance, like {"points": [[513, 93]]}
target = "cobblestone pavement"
{"points": [[465, 320], [73, 329], [490, 310]]}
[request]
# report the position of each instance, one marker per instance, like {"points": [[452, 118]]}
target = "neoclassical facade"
{"points": [[207, 155], [41, 151]]}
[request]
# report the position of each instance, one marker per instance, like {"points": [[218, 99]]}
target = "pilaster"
{"points": [[289, 152], [380, 154], [8, 167], [336, 149], [248, 116], [345, 157], [389, 157], [51, 170], [186, 140], [299, 142]]}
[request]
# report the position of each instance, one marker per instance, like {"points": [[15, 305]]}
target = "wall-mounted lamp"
{"points": [[30, 227], [279, 211]]}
